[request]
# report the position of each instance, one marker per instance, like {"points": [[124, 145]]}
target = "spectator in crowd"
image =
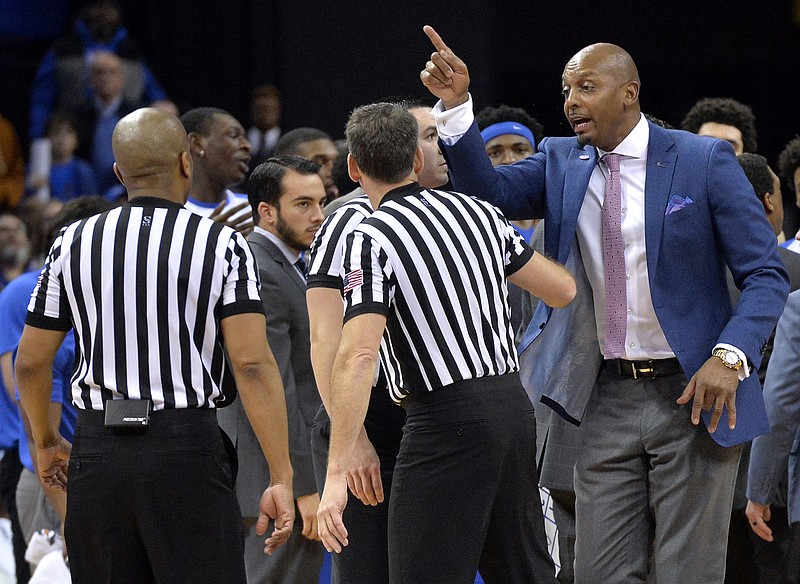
{"points": [[726, 119], [70, 176], [221, 158], [789, 169], [512, 133], [12, 166], [314, 145], [265, 115], [15, 247], [97, 116], [61, 81]]}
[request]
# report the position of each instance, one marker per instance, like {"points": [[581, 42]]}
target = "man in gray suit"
{"points": [[287, 195], [772, 453]]}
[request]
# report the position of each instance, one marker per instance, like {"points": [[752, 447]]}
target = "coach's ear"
{"points": [[419, 160]]}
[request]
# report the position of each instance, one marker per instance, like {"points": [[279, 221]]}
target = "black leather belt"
{"points": [[649, 369]]}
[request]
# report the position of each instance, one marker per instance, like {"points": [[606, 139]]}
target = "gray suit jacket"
{"points": [[283, 292], [772, 452]]}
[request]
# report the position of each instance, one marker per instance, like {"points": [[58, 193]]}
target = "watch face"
{"points": [[731, 358]]}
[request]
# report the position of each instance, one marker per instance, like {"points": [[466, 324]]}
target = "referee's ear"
{"points": [[119, 176], [352, 169], [186, 164]]}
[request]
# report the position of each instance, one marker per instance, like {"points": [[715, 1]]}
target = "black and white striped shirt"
{"points": [[326, 255], [145, 287], [435, 263]]}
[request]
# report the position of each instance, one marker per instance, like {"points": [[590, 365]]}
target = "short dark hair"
{"points": [[75, 210], [789, 162], [264, 185], [383, 139], [340, 174], [489, 116], [288, 143], [756, 169], [198, 120], [723, 110]]}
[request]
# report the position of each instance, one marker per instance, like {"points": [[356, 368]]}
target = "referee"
{"points": [[424, 280], [152, 290]]}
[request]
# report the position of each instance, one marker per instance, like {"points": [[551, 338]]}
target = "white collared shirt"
{"points": [[644, 338]]}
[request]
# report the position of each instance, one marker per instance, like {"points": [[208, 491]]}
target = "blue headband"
{"points": [[502, 128]]}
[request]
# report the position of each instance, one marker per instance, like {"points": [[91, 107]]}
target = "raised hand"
{"points": [[243, 224], [445, 75]]}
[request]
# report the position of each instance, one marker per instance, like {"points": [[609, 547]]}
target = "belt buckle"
{"points": [[643, 370]]}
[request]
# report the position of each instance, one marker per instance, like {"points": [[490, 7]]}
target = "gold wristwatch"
{"points": [[729, 358]]}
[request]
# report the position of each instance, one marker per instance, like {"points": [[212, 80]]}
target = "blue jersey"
{"points": [[14, 301]]}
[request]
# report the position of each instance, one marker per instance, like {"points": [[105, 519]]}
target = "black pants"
{"points": [[10, 469], [465, 495], [366, 559], [154, 505]]}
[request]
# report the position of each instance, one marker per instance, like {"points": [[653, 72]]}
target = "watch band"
{"points": [[725, 356]]}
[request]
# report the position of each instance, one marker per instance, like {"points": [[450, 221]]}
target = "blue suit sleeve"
{"points": [[517, 189], [753, 260]]}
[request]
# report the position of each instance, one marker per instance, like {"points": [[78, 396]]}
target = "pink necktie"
{"points": [[614, 262]]}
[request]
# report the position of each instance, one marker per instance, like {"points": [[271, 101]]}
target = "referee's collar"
{"points": [[145, 201], [400, 192]]}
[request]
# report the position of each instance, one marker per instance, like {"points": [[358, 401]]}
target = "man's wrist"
{"points": [[459, 100]]}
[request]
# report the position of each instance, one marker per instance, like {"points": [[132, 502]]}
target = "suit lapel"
{"points": [[258, 240], [580, 165], [661, 159]]}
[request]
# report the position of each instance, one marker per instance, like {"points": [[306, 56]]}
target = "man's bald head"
{"points": [[152, 155], [608, 58]]}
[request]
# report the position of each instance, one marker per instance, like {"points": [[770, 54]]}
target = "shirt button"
{"points": [[630, 345], [629, 311], [628, 243], [627, 276], [624, 210]]}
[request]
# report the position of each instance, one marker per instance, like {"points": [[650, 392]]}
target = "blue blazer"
{"points": [[687, 251], [771, 453]]}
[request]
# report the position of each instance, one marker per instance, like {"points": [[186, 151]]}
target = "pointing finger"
{"points": [[435, 38]]}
